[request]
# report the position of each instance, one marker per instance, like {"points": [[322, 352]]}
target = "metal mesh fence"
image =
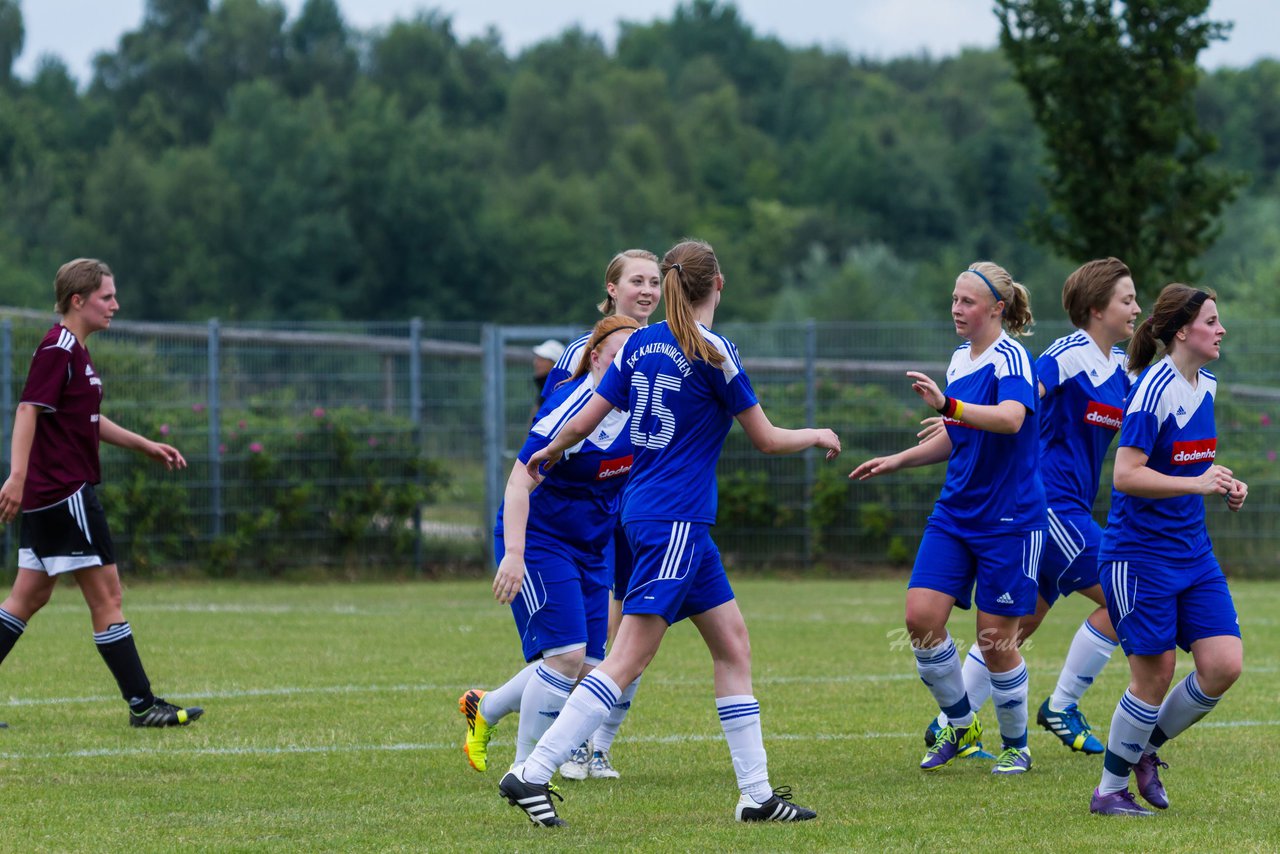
{"points": [[376, 446]]}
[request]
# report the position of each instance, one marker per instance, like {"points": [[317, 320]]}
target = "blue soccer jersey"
{"points": [[1084, 392], [1172, 423], [565, 365], [577, 504], [993, 480], [681, 412]]}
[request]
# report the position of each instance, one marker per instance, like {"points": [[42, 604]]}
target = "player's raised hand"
{"points": [[927, 389], [875, 467], [932, 426], [829, 440]]}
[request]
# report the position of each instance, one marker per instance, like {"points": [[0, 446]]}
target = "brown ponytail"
{"points": [[1017, 300], [689, 270]]}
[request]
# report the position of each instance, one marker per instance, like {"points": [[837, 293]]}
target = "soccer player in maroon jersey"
{"points": [[52, 473]]}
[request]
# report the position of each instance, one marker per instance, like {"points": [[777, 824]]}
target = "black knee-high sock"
{"points": [[11, 628], [116, 647]]}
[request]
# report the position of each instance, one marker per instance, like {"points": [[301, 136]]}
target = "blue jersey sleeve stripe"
{"points": [[554, 422], [572, 354], [1015, 357], [1157, 382], [1063, 344]]}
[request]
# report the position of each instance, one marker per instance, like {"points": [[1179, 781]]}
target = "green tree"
{"points": [[1112, 88], [12, 37]]}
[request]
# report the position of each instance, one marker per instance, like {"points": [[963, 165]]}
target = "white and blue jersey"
{"points": [[576, 505], [565, 365], [1173, 424], [993, 480], [1084, 393], [681, 412], [573, 514], [1080, 414]]}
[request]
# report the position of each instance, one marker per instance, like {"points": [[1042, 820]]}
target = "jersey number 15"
{"points": [[650, 403]]}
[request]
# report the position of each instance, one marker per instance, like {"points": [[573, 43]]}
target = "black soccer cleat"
{"points": [[163, 713], [777, 808], [533, 799]]}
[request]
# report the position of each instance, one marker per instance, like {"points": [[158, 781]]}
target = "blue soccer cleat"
{"points": [[1070, 726]]}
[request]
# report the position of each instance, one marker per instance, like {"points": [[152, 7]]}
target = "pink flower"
{"points": [[1271, 456], [197, 407], [1265, 419], [222, 449], [318, 412], [164, 429], [255, 447], [240, 423], [373, 441]]}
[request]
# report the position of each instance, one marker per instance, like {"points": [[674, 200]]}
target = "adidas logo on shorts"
{"points": [[1005, 599]]}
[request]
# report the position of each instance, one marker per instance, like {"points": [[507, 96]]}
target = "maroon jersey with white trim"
{"points": [[64, 453]]}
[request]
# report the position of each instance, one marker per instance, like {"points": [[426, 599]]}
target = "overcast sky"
{"points": [[77, 29]]}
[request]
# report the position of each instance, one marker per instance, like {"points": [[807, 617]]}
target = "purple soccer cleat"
{"points": [[1117, 803], [1146, 772], [950, 743]]}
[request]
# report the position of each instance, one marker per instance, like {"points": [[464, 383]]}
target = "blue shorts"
{"points": [[1070, 560], [678, 572], [564, 600], [1004, 566], [1154, 606], [623, 564]]}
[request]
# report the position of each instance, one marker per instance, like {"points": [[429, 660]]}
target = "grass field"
{"points": [[332, 725]]}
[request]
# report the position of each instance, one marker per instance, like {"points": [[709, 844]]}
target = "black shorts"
{"points": [[66, 536]]}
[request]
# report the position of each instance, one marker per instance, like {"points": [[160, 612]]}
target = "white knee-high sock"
{"points": [[544, 697], [977, 682], [1182, 707], [939, 670], [1009, 695], [505, 699], [586, 707], [1089, 652], [740, 718], [1131, 728], [608, 730]]}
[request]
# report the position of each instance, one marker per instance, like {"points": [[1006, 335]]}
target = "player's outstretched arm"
{"points": [[935, 448], [1133, 476], [113, 434], [578, 428], [778, 440]]}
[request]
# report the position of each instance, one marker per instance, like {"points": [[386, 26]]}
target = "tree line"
{"points": [[230, 161]]}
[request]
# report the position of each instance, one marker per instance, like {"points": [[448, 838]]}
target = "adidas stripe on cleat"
{"points": [[162, 713], [533, 799], [1070, 726], [479, 731], [777, 808]]}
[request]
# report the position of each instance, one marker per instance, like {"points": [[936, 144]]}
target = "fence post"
{"points": [[491, 365], [215, 437], [415, 418], [810, 420], [6, 410]]}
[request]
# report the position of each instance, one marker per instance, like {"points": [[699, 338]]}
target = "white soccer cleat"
{"points": [[600, 768], [575, 767]]}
